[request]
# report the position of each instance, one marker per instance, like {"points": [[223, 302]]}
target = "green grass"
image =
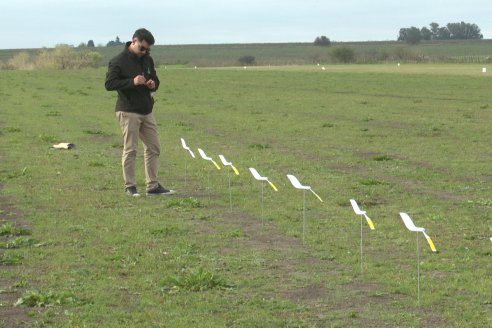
{"points": [[20, 242], [10, 259], [45, 299], [195, 281], [9, 229], [413, 139]]}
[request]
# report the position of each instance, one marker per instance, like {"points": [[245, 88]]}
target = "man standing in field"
{"points": [[132, 74]]}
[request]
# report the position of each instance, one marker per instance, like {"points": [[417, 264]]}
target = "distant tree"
{"points": [[61, 57], [90, 44], [464, 31], [458, 31], [247, 60], [322, 41], [66, 57], [93, 58], [21, 61], [434, 28], [402, 35], [344, 54], [443, 33], [116, 42], [426, 33], [410, 35]]}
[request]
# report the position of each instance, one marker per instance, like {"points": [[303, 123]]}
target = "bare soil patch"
{"points": [[10, 316]]}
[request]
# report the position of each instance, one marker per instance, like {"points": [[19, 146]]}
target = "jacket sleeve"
{"points": [[154, 75], [114, 81]]}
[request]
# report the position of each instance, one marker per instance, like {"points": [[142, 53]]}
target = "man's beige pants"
{"points": [[136, 126]]}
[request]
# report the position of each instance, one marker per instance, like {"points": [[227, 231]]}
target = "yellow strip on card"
{"points": [[315, 194], [431, 244], [370, 223], [216, 165], [273, 186]]}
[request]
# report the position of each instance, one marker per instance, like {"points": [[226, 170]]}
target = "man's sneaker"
{"points": [[160, 191], [132, 191]]}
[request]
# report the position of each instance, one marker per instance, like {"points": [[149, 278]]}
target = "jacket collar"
{"points": [[130, 53]]}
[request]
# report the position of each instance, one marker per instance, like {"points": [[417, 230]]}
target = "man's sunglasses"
{"points": [[142, 48]]}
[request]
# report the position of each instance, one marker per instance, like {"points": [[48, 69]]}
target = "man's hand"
{"points": [[139, 80], [150, 84]]}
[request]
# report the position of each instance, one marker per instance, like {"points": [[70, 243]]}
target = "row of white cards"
{"points": [[409, 224], [406, 220]]}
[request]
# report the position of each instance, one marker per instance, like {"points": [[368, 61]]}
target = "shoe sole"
{"points": [[171, 192]]}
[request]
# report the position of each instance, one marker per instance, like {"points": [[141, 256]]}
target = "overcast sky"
{"points": [[46, 23]]}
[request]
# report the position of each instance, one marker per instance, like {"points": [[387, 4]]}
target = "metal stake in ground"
{"points": [[298, 185], [205, 157], [229, 166], [185, 146], [411, 226], [258, 177], [358, 211]]}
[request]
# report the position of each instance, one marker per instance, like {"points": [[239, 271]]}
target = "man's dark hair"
{"points": [[143, 34]]}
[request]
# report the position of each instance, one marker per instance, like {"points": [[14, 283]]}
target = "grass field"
{"points": [[76, 252]]}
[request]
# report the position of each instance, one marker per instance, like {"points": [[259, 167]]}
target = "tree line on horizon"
{"points": [[452, 31], [414, 35], [111, 43], [411, 35]]}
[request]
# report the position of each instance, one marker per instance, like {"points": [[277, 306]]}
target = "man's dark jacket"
{"points": [[121, 71]]}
